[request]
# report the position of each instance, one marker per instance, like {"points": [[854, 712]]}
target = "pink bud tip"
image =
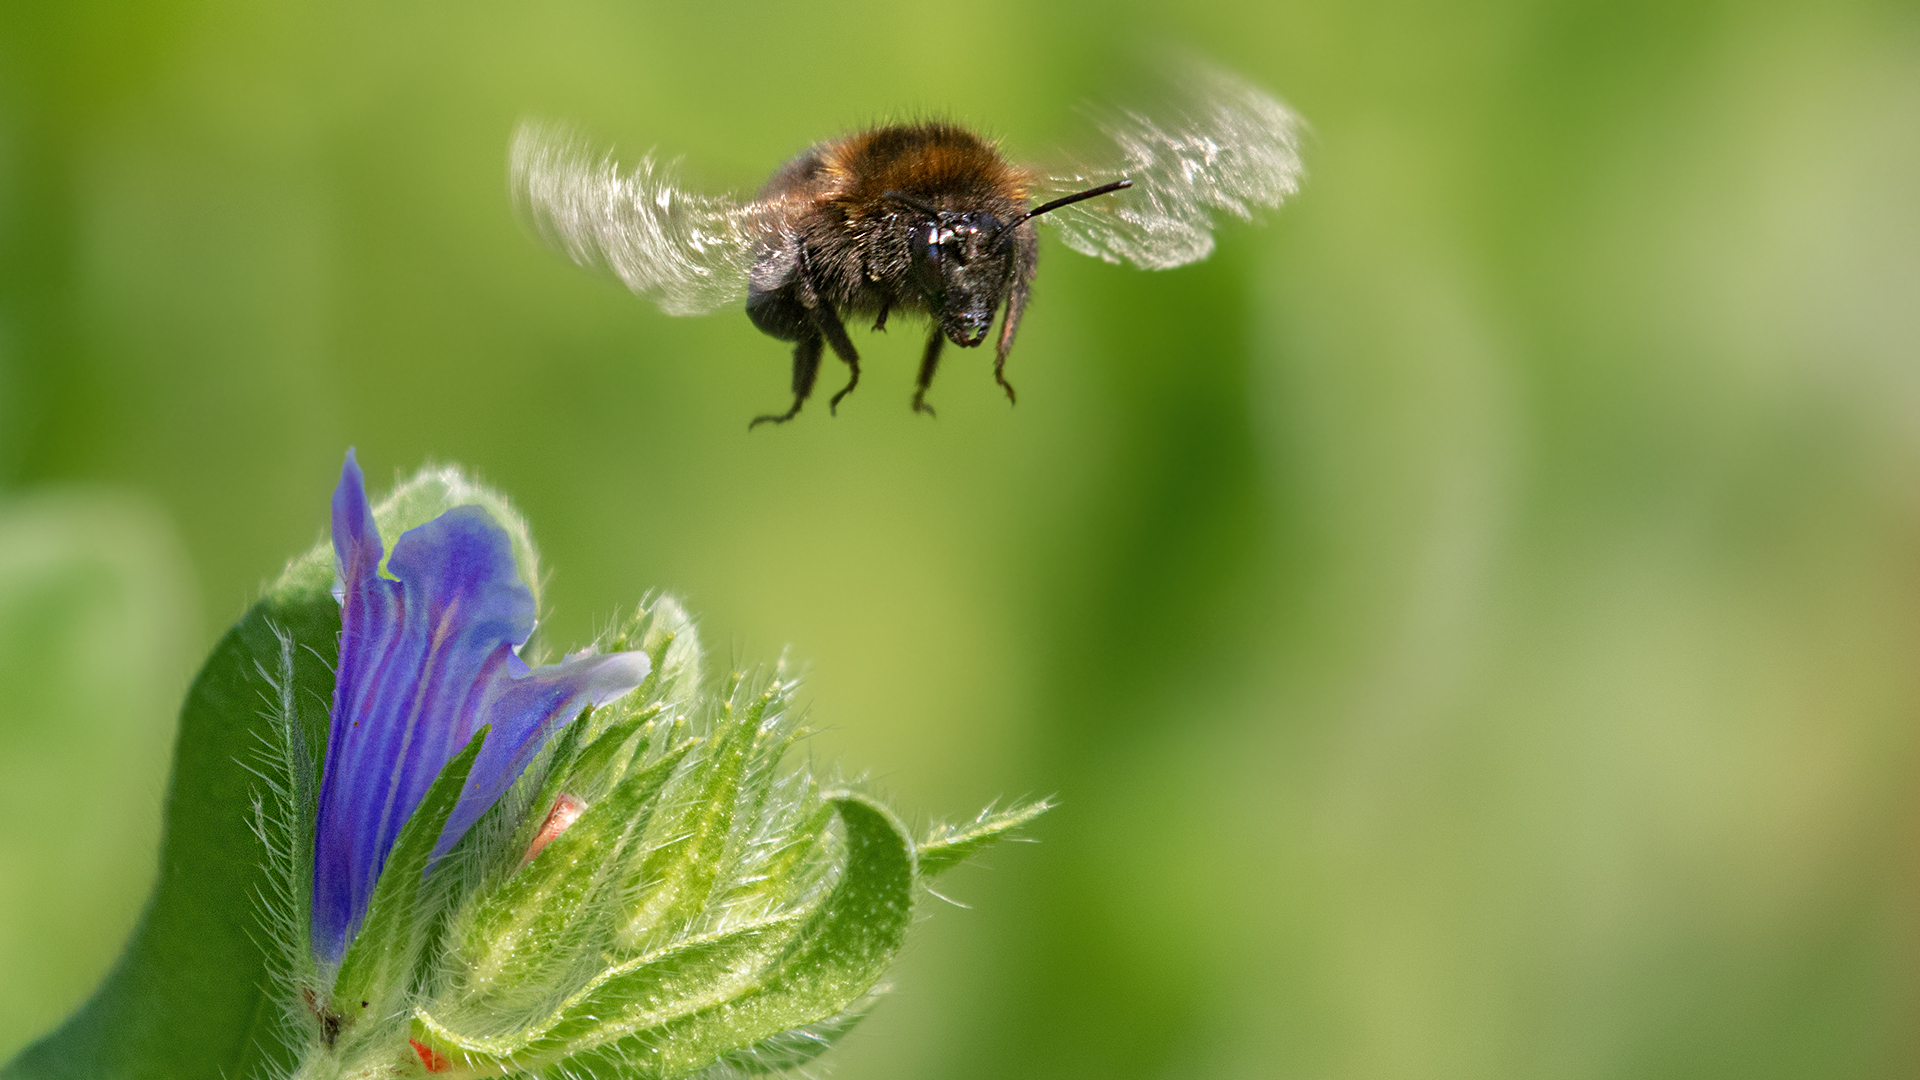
{"points": [[434, 1060], [566, 810]]}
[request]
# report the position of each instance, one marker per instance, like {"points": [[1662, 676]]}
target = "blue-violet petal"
{"points": [[427, 657]]}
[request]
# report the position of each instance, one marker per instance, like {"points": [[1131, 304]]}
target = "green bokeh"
{"points": [[1470, 622]]}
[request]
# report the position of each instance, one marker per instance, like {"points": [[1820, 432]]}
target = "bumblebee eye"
{"points": [[926, 246]]}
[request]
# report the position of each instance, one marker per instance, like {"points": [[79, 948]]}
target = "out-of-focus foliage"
{"points": [[98, 620], [1469, 622]]}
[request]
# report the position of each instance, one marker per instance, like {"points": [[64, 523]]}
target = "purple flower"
{"points": [[428, 656]]}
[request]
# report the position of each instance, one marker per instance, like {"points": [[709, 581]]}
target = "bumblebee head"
{"points": [[961, 262]]}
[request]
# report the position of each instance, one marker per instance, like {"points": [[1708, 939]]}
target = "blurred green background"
{"points": [[1470, 622]]}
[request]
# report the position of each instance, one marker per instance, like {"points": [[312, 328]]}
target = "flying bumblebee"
{"points": [[925, 218]]}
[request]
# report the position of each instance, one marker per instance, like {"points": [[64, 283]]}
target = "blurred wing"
{"points": [[1216, 143], [689, 253]]}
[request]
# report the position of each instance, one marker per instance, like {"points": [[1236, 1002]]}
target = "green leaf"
{"points": [[378, 967], [949, 846], [192, 996]]}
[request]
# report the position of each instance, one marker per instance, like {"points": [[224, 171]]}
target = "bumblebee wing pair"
{"points": [[925, 218]]}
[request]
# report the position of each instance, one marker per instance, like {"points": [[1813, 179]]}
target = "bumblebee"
{"points": [[924, 218]]}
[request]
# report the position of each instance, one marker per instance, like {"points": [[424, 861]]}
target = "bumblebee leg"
{"points": [[836, 333], [929, 363], [806, 367], [881, 322], [1000, 362], [1027, 255], [833, 404]]}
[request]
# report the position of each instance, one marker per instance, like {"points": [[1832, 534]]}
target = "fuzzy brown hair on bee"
{"points": [[923, 218]]}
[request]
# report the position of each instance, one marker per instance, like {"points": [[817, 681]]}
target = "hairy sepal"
{"points": [[791, 1049], [948, 846], [675, 880], [683, 1008], [515, 945]]}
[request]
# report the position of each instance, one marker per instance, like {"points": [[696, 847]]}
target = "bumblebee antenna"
{"points": [[1066, 200]]}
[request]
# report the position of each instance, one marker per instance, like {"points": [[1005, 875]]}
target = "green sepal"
{"points": [[835, 960], [950, 845], [681, 1009], [550, 770], [792, 1049], [603, 763], [506, 941], [665, 632], [378, 968], [583, 762], [678, 875], [781, 876], [633, 997]]}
